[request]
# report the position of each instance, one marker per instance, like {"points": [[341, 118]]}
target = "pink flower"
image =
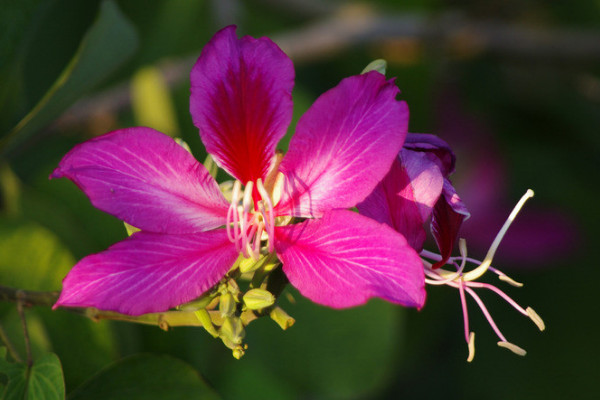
{"points": [[191, 235]]}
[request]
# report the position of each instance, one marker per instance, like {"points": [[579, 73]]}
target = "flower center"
{"points": [[250, 218], [466, 282]]}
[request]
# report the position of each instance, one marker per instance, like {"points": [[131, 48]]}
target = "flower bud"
{"points": [[232, 330], [227, 305], [255, 299]]}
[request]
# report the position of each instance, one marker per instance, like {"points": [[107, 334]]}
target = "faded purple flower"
{"points": [[191, 235]]}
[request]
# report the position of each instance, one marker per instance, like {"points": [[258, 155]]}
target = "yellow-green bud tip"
{"points": [[227, 305]]}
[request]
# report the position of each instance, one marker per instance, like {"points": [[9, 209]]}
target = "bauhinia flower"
{"points": [[416, 188], [293, 206]]}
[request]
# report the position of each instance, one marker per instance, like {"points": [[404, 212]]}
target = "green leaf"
{"points": [[16, 373], [45, 380], [146, 377], [108, 44]]}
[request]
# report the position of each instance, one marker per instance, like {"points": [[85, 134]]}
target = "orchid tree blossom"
{"points": [[416, 189], [294, 207]]}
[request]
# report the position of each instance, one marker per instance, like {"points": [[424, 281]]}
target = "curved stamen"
{"points": [[232, 226], [267, 213], [487, 261]]}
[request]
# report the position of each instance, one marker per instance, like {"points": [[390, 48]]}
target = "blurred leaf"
{"points": [[16, 21], [146, 377], [32, 258], [151, 101], [45, 380], [9, 191], [109, 43]]}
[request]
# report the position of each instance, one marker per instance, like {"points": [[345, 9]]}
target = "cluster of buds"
{"points": [[227, 310]]}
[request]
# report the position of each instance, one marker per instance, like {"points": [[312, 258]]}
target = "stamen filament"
{"points": [[267, 213], [233, 232], [486, 313], [500, 293], [463, 302]]}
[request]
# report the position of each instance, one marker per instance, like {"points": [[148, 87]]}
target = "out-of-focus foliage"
{"points": [[516, 122]]}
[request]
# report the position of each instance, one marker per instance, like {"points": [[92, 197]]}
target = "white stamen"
{"points": [[267, 212]]}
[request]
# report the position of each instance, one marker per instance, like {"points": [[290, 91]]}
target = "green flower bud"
{"points": [[232, 330], [255, 299], [227, 305]]}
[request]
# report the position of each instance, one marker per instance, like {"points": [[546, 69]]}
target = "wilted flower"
{"points": [[191, 235], [417, 188]]}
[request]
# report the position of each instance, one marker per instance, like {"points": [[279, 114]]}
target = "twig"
{"points": [[28, 297], [25, 332], [9, 346]]}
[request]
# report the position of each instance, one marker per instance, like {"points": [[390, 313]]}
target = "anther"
{"points": [[536, 318], [513, 347], [509, 280], [471, 347]]}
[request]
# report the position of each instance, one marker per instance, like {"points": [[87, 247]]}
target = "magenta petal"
{"points": [[144, 178], [405, 198], [149, 272], [448, 215], [242, 101], [343, 146], [344, 259]]}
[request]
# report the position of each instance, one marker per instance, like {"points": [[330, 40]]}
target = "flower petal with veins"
{"points": [[343, 259], [343, 146], [149, 272], [146, 179], [241, 100]]}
